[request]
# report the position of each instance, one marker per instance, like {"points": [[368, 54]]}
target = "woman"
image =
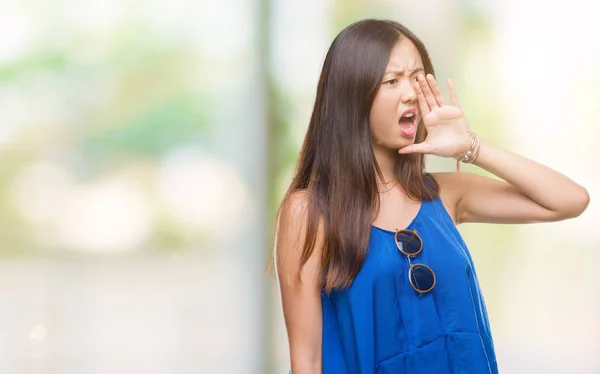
{"points": [[373, 274]]}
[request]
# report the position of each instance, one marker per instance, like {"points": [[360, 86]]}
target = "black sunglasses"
{"points": [[421, 277]]}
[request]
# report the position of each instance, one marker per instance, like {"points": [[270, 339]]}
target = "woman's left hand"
{"points": [[447, 128]]}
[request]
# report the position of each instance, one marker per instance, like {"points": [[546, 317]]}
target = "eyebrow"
{"points": [[400, 72]]}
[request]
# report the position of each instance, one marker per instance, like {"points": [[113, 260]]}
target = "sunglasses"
{"points": [[421, 277]]}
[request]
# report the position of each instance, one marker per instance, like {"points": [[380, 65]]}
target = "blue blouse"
{"points": [[380, 324]]}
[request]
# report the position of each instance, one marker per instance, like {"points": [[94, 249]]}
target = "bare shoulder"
{"points": [[295, 205], [452, 186], [471, 197], [293, 213], [453, 182], [293, 223]]}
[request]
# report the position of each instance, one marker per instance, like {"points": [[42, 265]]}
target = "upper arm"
{"points": [[475, 198], [300, 295]]}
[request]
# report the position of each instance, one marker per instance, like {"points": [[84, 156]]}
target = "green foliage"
{"points": [[152, 131]]}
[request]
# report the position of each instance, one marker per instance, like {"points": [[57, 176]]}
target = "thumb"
{"points": [[416, 148]]}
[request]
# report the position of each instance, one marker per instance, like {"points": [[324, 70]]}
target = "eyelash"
{"points": [[396, 80]]}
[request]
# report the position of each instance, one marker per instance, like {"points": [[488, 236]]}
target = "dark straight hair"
{"points": [[337, 165]]}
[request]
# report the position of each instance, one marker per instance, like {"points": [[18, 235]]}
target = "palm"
{"points": [[447, 127]]}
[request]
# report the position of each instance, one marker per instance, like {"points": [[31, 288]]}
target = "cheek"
{"points": [[382, 115]]}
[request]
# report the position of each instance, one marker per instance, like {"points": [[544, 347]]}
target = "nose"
{"points": [[408, 94]]}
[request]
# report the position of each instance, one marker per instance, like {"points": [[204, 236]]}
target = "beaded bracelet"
{"points": [[471, 154]]}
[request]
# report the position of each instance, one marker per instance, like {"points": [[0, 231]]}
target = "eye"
{"points": [[415, 79], [391, 81]]}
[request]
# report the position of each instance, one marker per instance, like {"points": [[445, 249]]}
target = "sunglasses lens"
{"points": [[409, 242], [422, 278]]}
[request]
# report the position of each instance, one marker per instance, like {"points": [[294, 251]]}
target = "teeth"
{"points": [[409, 115]]}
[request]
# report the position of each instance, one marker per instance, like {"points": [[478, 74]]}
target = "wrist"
{"points": [[469, 149], [471, 152]]}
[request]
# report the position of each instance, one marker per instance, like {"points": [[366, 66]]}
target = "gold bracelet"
{"points": [[470, 154], [467, 154], [474, 151]]}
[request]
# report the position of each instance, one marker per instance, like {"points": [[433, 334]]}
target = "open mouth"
{"points": [[408, 123]]}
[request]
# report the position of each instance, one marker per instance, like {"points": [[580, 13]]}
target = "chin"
{"points": [[395, 143], [403, 143]]}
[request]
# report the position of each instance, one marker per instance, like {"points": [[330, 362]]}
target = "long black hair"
{"points": [[337, 165]]}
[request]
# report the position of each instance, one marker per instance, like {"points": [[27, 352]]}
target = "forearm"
{"points": [[548, 188]]}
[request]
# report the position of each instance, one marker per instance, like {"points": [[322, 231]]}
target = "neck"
{"points": [[386, 159]]}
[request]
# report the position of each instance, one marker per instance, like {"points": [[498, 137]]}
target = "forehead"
{"points": [[405, 55]]}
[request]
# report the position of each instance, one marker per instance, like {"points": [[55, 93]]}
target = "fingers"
{"points": [[423, 106], [436, 90], [453, 95], [429, 97], [417, 148]]}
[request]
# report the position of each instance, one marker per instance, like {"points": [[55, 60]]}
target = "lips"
{"points": [[408, 123]]}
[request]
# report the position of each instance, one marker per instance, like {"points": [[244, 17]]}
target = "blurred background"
{"points": [[145, 146]]}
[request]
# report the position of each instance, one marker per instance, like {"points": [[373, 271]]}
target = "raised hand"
{"points": [[447, 128]]}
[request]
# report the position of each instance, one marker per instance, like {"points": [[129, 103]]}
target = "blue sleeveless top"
{"points": [[380, 324]]}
